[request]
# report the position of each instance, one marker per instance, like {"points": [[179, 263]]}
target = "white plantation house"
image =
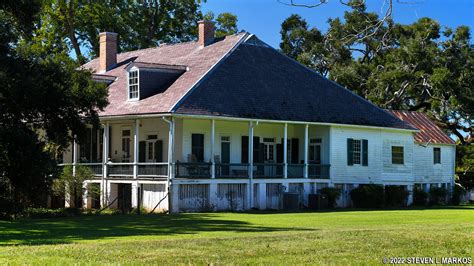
{"points": [[231, 123]]}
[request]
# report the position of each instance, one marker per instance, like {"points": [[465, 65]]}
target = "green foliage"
{"points": [[420, 197], [34, 213], [72, 184], [395, 196], [438, 195], [43, 98], [75, 25], [368, 196], [420, 66], [458, 192], [226, 23], [332, 194]]}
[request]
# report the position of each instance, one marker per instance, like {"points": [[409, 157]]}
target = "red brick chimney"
{"points": [[108, 51], [206, 32]]}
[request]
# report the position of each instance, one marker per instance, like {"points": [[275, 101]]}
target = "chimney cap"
{"points": [[205, 21], [108, 33]]}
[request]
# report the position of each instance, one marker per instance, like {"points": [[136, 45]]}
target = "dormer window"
{"points": [[133, 84]]}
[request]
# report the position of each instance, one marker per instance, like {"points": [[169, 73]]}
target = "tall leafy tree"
{"points": [[420, 67], [74, 25], [225, 23], [43, 98]]}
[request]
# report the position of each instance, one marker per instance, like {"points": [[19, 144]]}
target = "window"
{"points": [[269, 149], [150, 147], [133, 85], [397, 155], [437, 155], [126, 143], [356, 148], [315, 150], [358, 152], [197, 146]]}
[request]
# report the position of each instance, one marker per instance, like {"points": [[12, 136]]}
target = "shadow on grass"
{"points": [[69, 230], [335, 210]]}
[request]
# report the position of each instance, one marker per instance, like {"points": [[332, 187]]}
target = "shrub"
{"points": [[395, 196], [437, 195], [332, 194], [142, 210], [49, 213], [458, 192], [420, 197], [367, 196]]}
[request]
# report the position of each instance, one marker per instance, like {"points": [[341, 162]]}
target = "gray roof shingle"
{"points": [[256, 81]]}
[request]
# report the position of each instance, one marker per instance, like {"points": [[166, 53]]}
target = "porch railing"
{"points": [[318, 171], [295, 170], [268, 170], [120, 170], [193, 170], [232, 170], [203, 170], [153, 170]]}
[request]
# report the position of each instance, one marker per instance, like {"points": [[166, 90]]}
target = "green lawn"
{"points": [[241, 238]]}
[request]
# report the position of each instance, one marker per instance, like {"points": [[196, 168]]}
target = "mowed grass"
{"points": [[341, 237]]}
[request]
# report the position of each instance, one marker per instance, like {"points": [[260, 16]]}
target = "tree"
{"points": [[226, 23], [69, 183], [75, 25], [414, 70], [309, 47], [44, 98]]}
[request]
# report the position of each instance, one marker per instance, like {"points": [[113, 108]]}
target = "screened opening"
{"points": [[397, 155], [437, 155]]}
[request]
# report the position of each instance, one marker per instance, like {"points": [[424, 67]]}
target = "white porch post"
{"points": [[135, 148], [170, 148], [213, 137], [74, 155], [285, 151], [172, 195], [306, 129], [135, 190], [105, 155], [250, 156], [69, 201]]}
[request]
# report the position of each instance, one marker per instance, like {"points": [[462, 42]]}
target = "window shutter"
{"points": [[295, 150], [244, 158], [279, 152], [258, 150], [365, 154], [142, 151], [350, 152], [159, 151]]}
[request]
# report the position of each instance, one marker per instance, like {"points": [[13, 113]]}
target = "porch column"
{"points": [[250, 156], [74, 155], [105, 155], [213, 136], [285, 151], [135, 148], [172, 190], [306, 129], [170, 147]]}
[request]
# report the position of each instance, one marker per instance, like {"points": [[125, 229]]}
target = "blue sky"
{"points": [[264, 17]]}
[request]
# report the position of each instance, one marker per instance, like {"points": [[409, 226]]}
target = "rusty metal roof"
{"points": [[429, 131]]}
